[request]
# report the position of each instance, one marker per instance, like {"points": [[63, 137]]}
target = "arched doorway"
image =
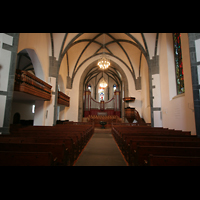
{"points": [[28, 60], [16, 118]]}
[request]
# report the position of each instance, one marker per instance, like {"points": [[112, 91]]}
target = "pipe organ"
{"points": [[93, 107]]}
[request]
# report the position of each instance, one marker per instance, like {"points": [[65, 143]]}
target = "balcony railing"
{"points": [[63, 99], [28, 83]]}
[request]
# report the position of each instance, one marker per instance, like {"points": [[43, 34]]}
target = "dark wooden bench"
{"points": [[142, 152], [13, 158], [155, 160], [120, 132], [134, 140], [86, 131], [77, 137], [80, 133], [132, 147], [74, 136], [68, 142], [59, 151]]}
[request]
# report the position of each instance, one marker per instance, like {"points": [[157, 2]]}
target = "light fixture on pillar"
{"points": [[104, 63]]}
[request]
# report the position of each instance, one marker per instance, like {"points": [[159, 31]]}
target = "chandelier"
{"points": [[103, 63], [103, 84]]}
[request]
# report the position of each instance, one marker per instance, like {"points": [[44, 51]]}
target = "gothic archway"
{"points": [[124, 87], [29, 61]]}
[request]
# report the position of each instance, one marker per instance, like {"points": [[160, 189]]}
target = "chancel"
{"points": [[56, 89]]}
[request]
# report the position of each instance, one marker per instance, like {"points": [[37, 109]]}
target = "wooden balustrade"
{"points": [[28, 83], [63, 99]]}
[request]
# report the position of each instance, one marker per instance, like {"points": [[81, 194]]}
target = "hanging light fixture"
{"points": [[103, 63], [103, 83]]}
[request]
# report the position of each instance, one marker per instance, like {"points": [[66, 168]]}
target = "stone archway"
{"points": [[34, 61], [81, 87]]}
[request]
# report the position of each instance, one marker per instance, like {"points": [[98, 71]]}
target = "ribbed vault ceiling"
{"points": [[127, 48]]}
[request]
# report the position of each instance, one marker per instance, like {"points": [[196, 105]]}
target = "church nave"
{"points": [[101, 150]]}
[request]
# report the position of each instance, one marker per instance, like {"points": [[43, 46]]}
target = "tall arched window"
{"points": [[178, 63]]}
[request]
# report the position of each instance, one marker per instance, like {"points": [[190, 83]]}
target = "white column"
{"points": [[50, 104], [5, 60], [39, 117], [156, 100]]}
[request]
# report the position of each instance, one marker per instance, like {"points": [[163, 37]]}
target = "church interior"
{"points": [[63, 94]]}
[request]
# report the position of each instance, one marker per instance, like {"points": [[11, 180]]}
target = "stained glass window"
{"points": [[89, 87], [178, 63], [114, 87]]}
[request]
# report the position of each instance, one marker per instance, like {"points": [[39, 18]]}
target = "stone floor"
{"points": [[101, 150]]}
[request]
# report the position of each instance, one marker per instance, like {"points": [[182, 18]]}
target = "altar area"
{"points": [[109, 111], [103, 118]]}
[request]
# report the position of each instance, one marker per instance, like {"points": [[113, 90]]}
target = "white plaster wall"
{"points": [[156, 91], [25, 110], [40, 43], [150, 40], [146, 110], [5, 57], [2, 109], [177, 112], [197, 47]]}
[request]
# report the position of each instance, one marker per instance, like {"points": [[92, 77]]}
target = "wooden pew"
{"points": [[76, 137], [59, 151], [79, 133], [120, 137], [142, 152], [83, 130], [155, 160], [119, 131], [129, 138], [79, 137], [13, 158], [132, 147], [68, 142], [86, 130]]}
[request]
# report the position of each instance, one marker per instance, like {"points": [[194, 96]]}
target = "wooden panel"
{"points": [[30, 84], [63, 99]]}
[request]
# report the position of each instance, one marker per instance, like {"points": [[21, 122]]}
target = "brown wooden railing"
{"points": [[28, 83], [63, 99]]}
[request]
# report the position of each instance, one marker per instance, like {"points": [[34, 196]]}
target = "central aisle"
{"points": [[101, 151]]}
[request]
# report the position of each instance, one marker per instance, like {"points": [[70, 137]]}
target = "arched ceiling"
{"points": [[127, 48], [111, 72]]}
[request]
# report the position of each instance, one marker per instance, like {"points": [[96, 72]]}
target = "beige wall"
{"points": [[178, 110], [40, 43]]}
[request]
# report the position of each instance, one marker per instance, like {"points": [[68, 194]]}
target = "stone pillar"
{"points": [[194, 45], [87, 100], [155, 92], [53, 80], [8, 58], [117, 107]]}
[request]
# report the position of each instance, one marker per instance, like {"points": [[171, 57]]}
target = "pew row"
{"points": [[15, 158], [65, 141], [132, 140]]}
